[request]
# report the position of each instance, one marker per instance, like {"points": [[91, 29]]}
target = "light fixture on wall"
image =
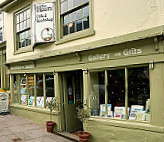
{"points": [[54, 73], [86, 71], [151, 65], [24, 74]]}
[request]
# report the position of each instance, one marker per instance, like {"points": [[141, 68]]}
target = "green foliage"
{"points": [[54, 103], [82, 113]]}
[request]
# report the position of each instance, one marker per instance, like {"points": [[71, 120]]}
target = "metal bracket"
{"points": [[156, 43], [78, 55]]}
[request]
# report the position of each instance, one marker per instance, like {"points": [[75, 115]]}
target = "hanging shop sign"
{"points": [[44, 22]]}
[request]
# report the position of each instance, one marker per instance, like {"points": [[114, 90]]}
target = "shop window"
{"points": [[97, 96], [49, 87], [119, 91], [116, 94], [139, 93], [31, 97], [23, 89], [16, 94], [39, 89], [74, 16], [22, 26]]}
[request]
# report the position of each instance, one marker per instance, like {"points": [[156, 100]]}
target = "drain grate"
{"points": [[17, 140]]}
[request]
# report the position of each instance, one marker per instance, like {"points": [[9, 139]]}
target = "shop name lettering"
{"points": [[22, 67], [42, 16], [126, 52]]}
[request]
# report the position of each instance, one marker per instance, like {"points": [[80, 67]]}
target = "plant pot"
{"points": [[50, 126], [83, 136]]}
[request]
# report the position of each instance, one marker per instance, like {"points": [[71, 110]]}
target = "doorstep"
{"points": [[71, 136]]}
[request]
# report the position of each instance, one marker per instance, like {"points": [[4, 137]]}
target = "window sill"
{"points": [[77, 35], [24, 50], [129, 124], [34, 109]]}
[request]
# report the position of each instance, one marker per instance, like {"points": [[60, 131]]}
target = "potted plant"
{"points": [[52, 104], [83, 114]]}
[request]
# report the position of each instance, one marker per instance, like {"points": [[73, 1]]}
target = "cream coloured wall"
{"points": [[111, 19]]}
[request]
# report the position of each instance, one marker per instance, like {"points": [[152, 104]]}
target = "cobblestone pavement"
{"points": [[17, 129]]}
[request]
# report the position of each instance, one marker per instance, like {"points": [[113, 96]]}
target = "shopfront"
{"points": [[122, 86]]}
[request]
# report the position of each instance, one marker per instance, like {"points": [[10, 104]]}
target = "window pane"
{"points": [[72, 27], [139, 93], [17, 19], [23, 89], [97, 94], [72, 17], [25, 15], [21, 26], [63, 6], [23, 43], [79, 25], [16, 83], [25, 24], [17, 27], [21, 17], [49, 86], [86, 11], [31, 97], [28, 13], [19, 44], [86, 23], [83, 1], [70, 4], [28, 23], [65, 20], [116, 93], [77, 2], [39, 88], [65, 30], [78, 14]]}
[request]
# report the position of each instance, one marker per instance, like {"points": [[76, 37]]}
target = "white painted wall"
{"points": [[111, 18]]}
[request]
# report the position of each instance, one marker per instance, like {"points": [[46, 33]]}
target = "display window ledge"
{"points": [[129, 124], [34, 109]]}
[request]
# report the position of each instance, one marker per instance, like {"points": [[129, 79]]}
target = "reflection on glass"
{"points": [[139, 93], [77, 2], [65, 20], [86, 23], [65, 30], [84, 1], [23, 89], [86, 11], [78, 14], [79, 25], [25, 15], [28, 13], [17, 27], [31, 97], [72, 17], [63, 6], [70, 4], [39, 90], [17, 19], [116, 93], [21, 17], [49, 86], [72, 27], [16, 97], [97, 94]]}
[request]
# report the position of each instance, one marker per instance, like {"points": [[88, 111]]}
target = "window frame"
{"points": [[76, 35], [28, 48], [35, 89], [126, 90]]}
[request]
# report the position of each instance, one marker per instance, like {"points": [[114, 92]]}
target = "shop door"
{"points": [[73, 86]]}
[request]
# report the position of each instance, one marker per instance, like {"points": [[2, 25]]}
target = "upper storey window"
{"points": [[23, 32], [74, 16], [1, 27]]}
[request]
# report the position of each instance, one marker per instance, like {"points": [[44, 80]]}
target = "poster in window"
{"points": [[44, 22]]}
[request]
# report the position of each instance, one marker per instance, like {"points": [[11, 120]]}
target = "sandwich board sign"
{"points": [[4, 102]]}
